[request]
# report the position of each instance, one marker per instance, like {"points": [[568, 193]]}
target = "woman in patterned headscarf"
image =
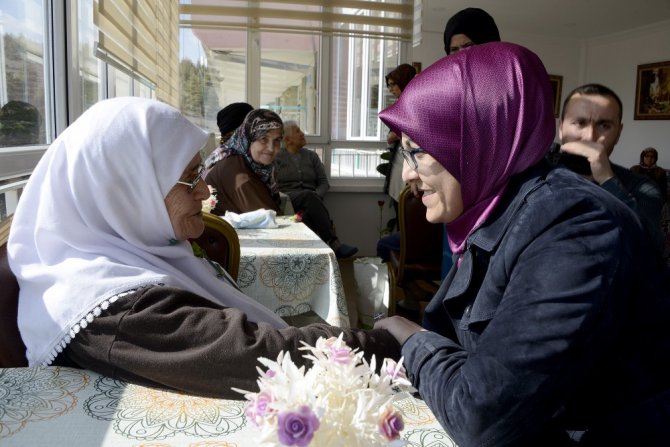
{"points": [[543, 329], [242, 173]]}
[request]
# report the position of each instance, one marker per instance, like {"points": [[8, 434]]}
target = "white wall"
{"points": [[610, 60], [613, 61]]}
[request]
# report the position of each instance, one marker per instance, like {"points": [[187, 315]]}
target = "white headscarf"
{"points": [[92, 223]]}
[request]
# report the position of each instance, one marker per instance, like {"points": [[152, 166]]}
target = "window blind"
{"points": [[390, 19], [142, 37]]}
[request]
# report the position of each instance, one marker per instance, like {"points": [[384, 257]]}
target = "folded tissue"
{"points": [[261, 218]]}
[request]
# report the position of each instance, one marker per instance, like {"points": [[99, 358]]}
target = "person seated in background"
{"points": [[108, 280], [551, 327], [301, 175], [590, 127], [230, 118], [240, 170], [648, 168]]}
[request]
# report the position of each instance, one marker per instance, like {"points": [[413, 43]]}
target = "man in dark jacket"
{"points": [[591, 123]]}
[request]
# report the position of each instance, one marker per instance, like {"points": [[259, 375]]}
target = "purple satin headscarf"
{"points": [[484, 114]]}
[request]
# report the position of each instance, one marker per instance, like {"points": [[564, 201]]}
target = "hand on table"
{"points": [[401, 328]]}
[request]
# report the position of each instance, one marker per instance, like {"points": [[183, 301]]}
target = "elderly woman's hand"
{"points": [[401, 328]]}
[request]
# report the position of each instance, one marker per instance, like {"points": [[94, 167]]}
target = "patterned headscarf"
{"points": [[484, 114], [256, 124]]}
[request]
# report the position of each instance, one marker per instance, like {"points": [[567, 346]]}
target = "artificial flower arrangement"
{"points": [[339, 401], [297, 217], [210, 202]]}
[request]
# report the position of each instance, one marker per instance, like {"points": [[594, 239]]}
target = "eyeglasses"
{"points": [[410, 156], [193, 183]]}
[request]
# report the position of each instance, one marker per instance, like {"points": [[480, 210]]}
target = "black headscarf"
{"points": [[475, 23], [231, 117]]}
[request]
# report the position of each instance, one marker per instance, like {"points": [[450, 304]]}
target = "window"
{"points": [[23, 93], [25, 112], [289, 77], [212, 73], [358, 94]]}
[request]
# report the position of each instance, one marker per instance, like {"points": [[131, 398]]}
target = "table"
{"points": [[292, 271], [56, 406]]}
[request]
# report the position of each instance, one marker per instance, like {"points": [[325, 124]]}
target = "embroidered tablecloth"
{"points": [[57, 406], [291, 271]]}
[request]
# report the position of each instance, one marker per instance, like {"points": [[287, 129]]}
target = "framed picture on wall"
{"points": [[652, 91], [556, 85]]}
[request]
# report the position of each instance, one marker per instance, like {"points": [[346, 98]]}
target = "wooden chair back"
{"points": [[221, 243], [12, 349], [419, 262]]}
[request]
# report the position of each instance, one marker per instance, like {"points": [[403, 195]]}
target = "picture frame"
{"points": [[417, 67], [556, 86], [652, 91]]}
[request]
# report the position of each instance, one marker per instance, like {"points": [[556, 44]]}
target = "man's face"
{"points": [[593, 118]]}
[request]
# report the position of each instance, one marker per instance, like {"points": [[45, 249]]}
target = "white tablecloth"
{"points": [[291, 271], [67, 407]]}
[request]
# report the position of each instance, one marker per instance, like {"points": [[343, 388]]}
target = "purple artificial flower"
{"points": [[340, 354], [297, 428], [391, 424], [258, 408], [392, 370]]}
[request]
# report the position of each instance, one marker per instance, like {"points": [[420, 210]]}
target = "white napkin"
{"points": [[261, 218]]}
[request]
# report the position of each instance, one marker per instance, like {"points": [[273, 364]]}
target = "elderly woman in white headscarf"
{"points": [[108, 280]]}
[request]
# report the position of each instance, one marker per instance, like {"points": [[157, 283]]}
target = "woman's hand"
{"points": [[401, 328]]}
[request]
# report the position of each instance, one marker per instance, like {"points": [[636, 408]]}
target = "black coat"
{"points": [[556, 320]]}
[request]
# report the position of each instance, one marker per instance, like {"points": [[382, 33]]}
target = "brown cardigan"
{"points": [[170, 338], [238, 188]]}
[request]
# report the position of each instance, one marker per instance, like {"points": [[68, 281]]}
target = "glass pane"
{"points": [[22, 86], [212, 73], [355, 163], [358, 88], [90, 67], [120, 83], [289, 77], [142, 90], [358, 94]]}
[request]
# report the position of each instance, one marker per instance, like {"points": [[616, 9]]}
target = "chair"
{"points": [[418, 264], [12, 349], [220, 242]]}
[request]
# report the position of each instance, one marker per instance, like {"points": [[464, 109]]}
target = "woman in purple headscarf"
{"points": [[539, 334]]}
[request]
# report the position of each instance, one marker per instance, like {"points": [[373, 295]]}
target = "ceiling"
{"points": [[581, 19]]}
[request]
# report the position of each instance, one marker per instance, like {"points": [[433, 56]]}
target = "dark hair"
{"points": [[593, 89], [401, 75]]}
